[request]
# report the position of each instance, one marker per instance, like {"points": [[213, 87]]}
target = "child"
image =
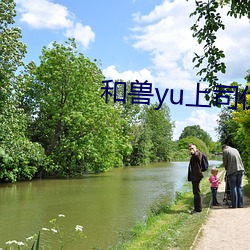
{"points": [[214, 185]]}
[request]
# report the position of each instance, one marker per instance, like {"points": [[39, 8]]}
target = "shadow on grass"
{"points": [[183, 204]]}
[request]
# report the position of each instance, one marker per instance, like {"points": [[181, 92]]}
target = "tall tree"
{"points": [[227, 127], [184, 142], [12, 51], [159, 127], [19, 157], [130, 124], [242, 117], [78, 130], [196, 131]]}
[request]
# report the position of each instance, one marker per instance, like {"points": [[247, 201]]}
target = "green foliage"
{"points": [[238, 8], [210, 19], [141, 145], [227, 127], [242, 137], [215, 147], [233, 128], [36, 243], [12, 50], [133, 144], [154, 135], [20, 158], [161, 128], [205, 28], [78, 130], [196, 131], [181, 154], [201, 146]]}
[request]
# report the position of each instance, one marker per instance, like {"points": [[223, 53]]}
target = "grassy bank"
{"points": [[170, 227]]}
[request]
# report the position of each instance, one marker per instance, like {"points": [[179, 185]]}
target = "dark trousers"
{"points": [[197, 196], [214, 196]]}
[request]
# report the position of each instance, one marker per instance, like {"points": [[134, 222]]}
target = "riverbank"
{"points": [[171, 227]]}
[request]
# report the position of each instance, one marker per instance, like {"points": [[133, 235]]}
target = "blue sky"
{"points": [[139, 40]]}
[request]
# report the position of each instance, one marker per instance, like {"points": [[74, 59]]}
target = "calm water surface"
{"points": [[104, 204]]}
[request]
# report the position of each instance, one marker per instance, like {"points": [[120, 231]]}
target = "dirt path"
{"points": [[225, 228]]}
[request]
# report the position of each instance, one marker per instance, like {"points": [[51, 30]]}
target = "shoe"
{"points": [[217, 204], [194, 212], [231, 207]]}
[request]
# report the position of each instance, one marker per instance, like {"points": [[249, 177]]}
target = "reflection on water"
{"points": [[104, 204]]}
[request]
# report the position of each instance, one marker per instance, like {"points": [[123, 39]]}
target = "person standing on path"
{"points": [[214, 186], [235, 169], [195, 175]]}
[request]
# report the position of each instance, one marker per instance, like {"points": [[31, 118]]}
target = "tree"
{"points": [[159, 128], [183, 144], [78, 130], [208, 23], [215, 147], [131, 127], [227, 127], [242, 136], [19, 157], [141, 145], [12, 50], [196, 131]]}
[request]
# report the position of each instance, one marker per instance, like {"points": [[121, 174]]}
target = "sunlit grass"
{"points": [[170, 226]]}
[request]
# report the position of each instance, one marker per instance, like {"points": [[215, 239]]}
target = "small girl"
{"points": [[214, 185]]}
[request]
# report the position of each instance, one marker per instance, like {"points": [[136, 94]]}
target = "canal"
{"points": [[105, 204]]}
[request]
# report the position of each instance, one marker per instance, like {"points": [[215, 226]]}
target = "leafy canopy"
{"points": [[196, 131], [205, 28]]}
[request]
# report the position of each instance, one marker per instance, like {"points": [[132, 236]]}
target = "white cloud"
{"points": [[165, 33], [159, 12], [83, 34], [234, 41], [111, 73], [44, 14], [198, 117]]}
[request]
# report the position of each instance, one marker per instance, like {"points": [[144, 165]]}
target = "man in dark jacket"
{"points": [[195, 175]]}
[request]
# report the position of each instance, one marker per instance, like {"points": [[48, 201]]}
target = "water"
{"points": [[104, 204]]}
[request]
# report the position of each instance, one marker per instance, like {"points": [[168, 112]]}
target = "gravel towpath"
{"points": [[225, 228]]}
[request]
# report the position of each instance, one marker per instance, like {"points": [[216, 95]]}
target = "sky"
{"points": [[139, 40]]}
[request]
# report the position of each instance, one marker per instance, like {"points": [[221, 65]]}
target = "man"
{"points": [[195, 175], [235, 170]]}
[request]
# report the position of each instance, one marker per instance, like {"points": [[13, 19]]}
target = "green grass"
{"points": [[246, 188], [170, 226]]}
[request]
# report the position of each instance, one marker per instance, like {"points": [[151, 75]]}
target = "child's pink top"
{"points": [[214, 181]]}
